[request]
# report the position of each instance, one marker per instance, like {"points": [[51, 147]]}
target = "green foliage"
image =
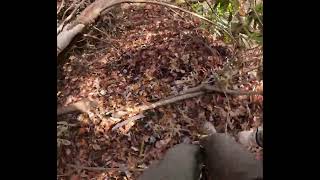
{"points": [[246, 26], [224, 6]]}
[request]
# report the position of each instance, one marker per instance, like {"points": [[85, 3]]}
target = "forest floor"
{"points": [[142, 54]]}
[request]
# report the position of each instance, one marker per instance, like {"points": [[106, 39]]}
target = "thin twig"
{"points": [[215, 14], [103, 168], [178, 14], [70, 16], [109, 37], [212, 10], [60, 7], [69, 8], [256, 14], [159, 103], [192, 92], [94, 37], [131, 119], [94, 27], [74, 11]]}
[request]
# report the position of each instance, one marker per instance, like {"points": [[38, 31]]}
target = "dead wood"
{"points": [[190, 93]]}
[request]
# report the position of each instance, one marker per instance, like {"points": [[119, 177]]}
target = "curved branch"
{"points": [[189, 93]]}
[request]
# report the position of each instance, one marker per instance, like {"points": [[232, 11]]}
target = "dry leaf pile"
{"points": [[139, 55]]}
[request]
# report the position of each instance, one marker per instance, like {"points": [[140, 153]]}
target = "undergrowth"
{"points": [[241, 18]]}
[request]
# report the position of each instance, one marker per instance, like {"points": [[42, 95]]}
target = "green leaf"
{"points": [[259, 8]]}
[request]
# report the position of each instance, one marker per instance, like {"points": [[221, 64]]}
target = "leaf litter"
{"points": [[146, 54]]}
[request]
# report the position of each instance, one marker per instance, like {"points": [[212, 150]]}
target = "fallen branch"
{"points": [[190, 93], [103, 168], [159, 103], [96, 38], [187, 94], [90, 14]]}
